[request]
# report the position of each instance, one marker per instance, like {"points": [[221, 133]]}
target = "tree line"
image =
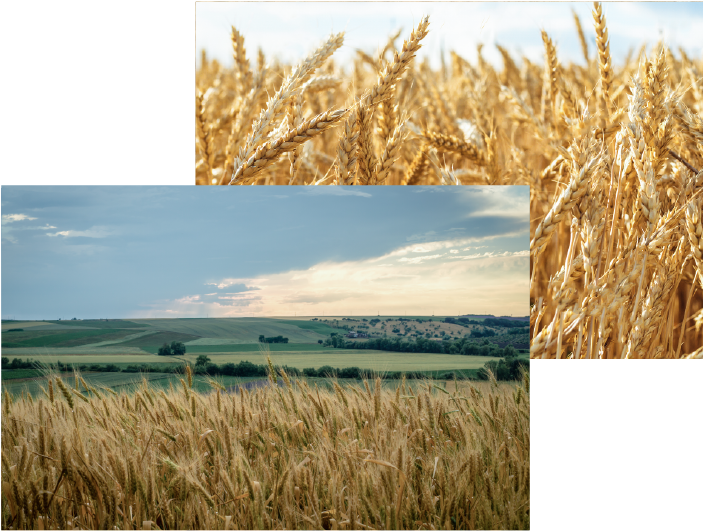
{"points": [[461, 346], [508, 369], [277, 339]]}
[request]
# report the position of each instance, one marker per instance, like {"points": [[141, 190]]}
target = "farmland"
{"points": [[132, 345], [191, 463], [375, 360]]}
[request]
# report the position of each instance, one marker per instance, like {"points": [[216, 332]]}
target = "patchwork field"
{"points": [[132, 345], [242, 329]]}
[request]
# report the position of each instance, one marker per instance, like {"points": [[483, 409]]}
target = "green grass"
{"points": [[375, 360], [253, 347], [238, 330], [60, 338], [76, 359], [96, 323], [151, 342], [121, 381], [315, 326], [15, 374], [113, 380]]}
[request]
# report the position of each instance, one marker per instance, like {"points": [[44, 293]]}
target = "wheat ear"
{"points": [[270, 152], [604, 60]]}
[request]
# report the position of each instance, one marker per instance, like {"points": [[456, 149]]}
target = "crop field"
{"points": [[6, 325], [100, 323], [612, 148], [288, 455], [151, 342], [112, 380], [54, 338], [89, 357], [20, 373], [254, 347], [242, 329], [82, 352], [375, 360]]}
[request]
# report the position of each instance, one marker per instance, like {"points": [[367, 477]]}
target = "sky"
{"points": [[291, 30], [145, 251]]}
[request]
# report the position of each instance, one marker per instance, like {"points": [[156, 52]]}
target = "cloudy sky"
{"points": [[90, 252], [291, 30]]}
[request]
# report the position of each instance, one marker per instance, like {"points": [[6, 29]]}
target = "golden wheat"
{"points": [[613, 156], [454, 457]]}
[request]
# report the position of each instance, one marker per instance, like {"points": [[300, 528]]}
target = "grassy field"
{"points": [[113, 380], [98, 323], [151, 342], [86, 350], [90, 357], [16, 374], [315, 326], [242, 329], [17, 381], [254, 347], [39, 338], [366, 359]]}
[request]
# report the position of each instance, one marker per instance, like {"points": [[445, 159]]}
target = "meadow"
{"points": [[284, 455]]}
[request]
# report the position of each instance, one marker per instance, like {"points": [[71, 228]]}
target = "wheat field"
{"points": [[612, 155], [283, 456]]}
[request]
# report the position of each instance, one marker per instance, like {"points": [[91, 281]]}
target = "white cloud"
{"points": [[495, 281], [93, 232], [11, 218], [9, 228], [453, 251], [419, 259], [238, 282]]}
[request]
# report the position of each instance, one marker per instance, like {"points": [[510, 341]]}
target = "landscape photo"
{"points": [[324, 358]]}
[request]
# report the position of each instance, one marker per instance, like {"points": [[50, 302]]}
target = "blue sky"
{"points": [[290, 30], [144, 251]]}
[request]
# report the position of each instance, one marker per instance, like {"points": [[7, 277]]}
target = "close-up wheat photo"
{"points": [[607, 133]]}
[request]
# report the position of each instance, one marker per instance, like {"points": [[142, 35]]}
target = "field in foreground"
{"points": [[275, 457]]}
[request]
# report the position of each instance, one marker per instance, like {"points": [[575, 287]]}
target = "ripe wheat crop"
{"points": [[612, 153], [286, 455]]}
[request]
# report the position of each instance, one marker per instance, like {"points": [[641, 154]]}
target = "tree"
{"points": [[319, 341], [178, 348], [262, 339], [165, 350], [202, 360]]}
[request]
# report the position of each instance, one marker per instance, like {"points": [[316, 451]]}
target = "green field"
{"points": [[375, 360], [227, 340], [315, 326], [107, 379], [254, 347], [119, 381], [242, 329], [97, 323], [151, 342], [20, 373], [60, 338], [76, 359]]}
